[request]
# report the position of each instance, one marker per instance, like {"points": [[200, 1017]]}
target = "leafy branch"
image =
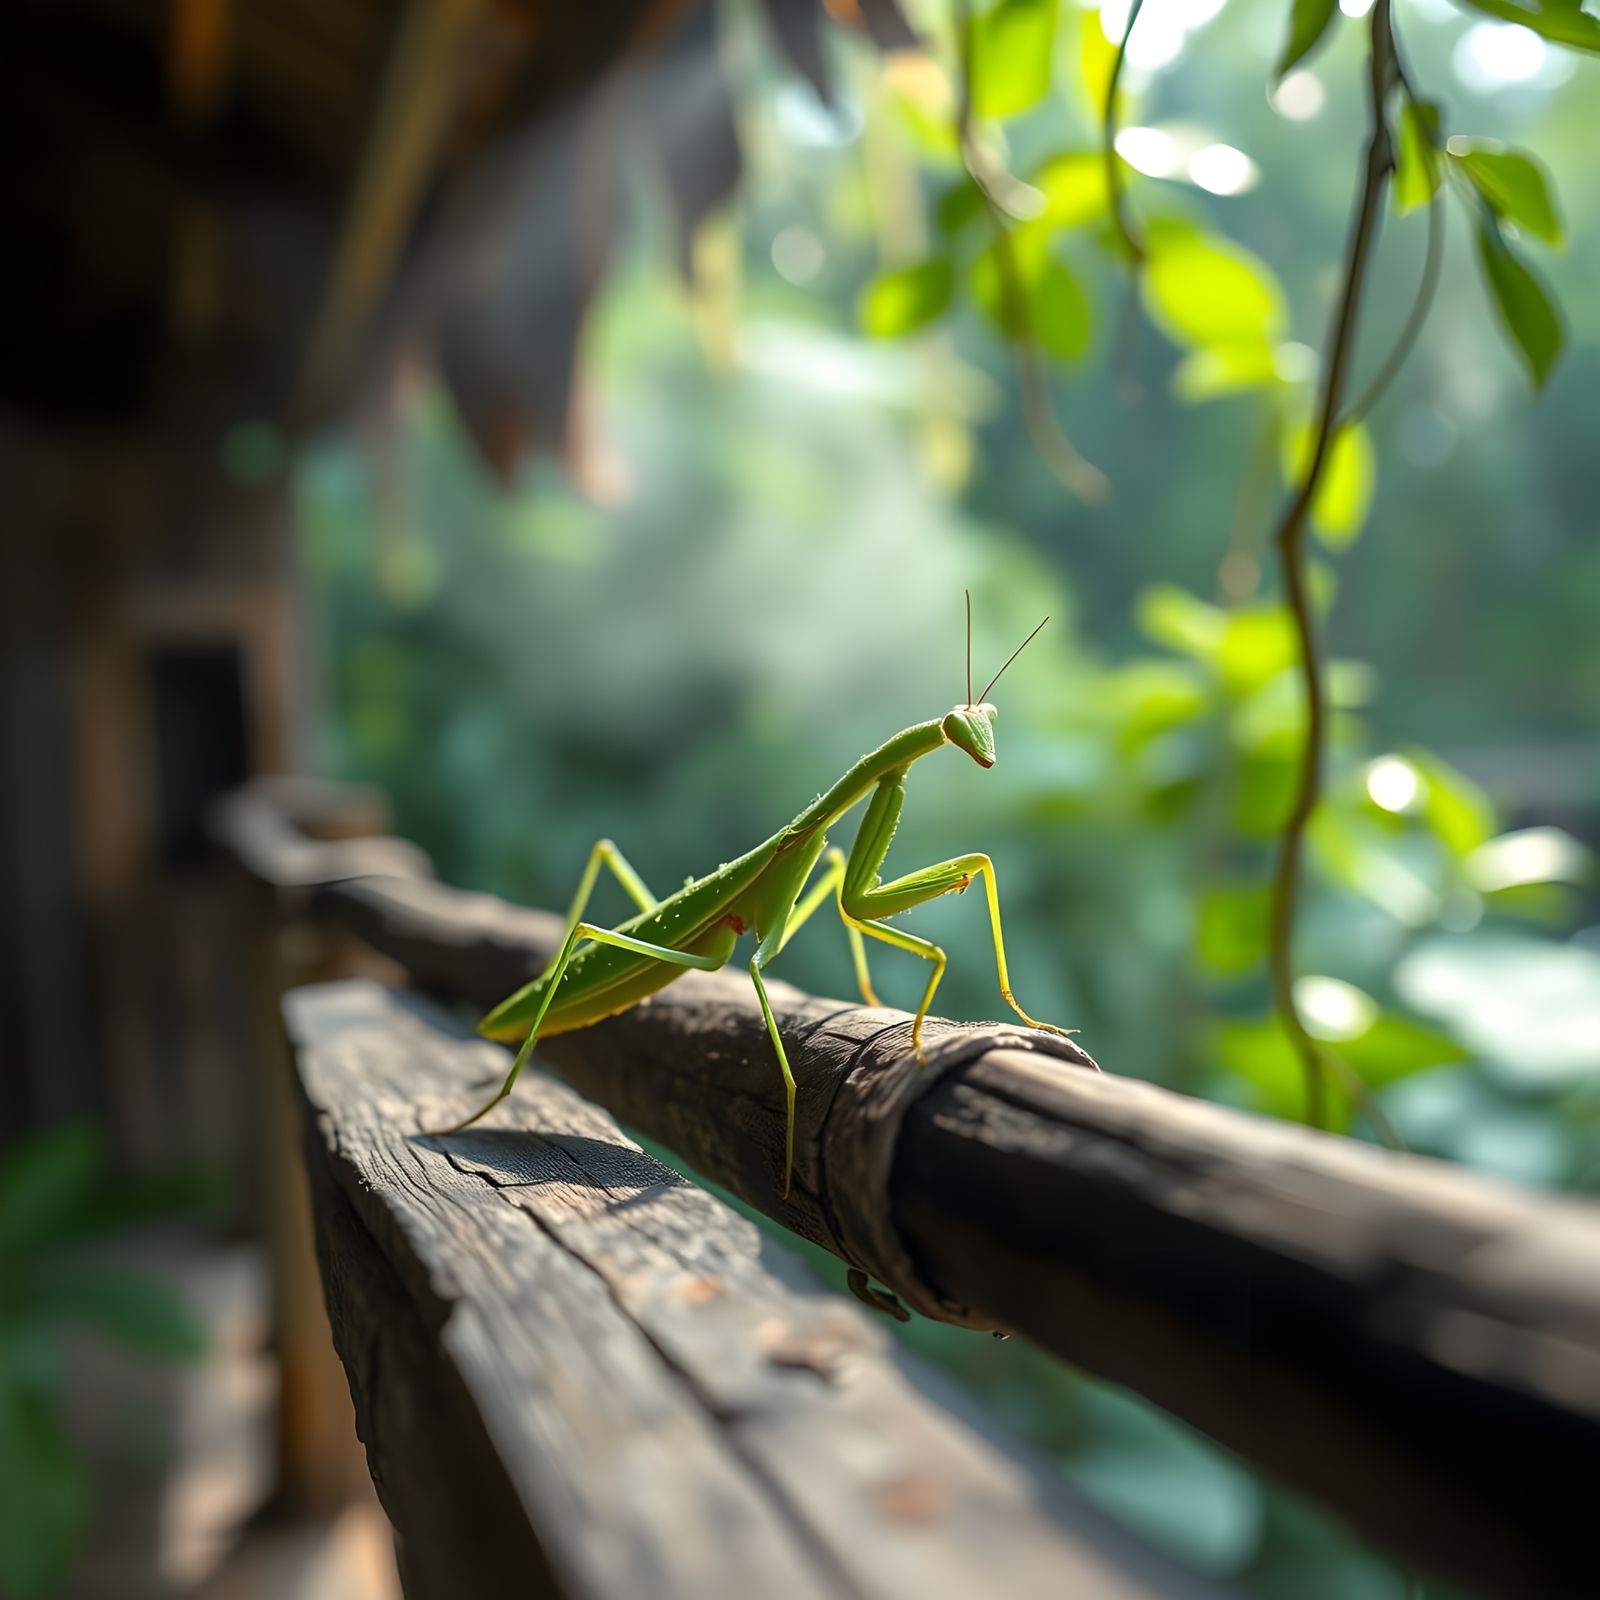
{"points": [[1432, 261], [1077, 475], [1289, 539], [1117, 195]]}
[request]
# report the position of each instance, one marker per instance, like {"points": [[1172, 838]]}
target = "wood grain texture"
{"points": [[670, 1403], [1415, 1346]]}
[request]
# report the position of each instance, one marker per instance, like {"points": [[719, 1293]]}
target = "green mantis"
{"points": [[600, 971]]}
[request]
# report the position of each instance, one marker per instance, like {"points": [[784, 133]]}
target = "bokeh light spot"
{"points": [[798, 255], [1393, 784], [1220, 169], [1150, 151], [1300, 96]]}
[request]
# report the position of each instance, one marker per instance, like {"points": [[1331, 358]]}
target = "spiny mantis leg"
{"points": [[832, 883], [557, 970], [787, 921], [765, 951], [864, 899], [605, 853]]}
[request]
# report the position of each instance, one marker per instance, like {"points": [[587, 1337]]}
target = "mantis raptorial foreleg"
{"points": [[925, 948], [832, 883], [557, 970], [863, 898]]}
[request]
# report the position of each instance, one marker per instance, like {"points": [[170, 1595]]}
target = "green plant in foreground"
{"points": [[58, 1205]]}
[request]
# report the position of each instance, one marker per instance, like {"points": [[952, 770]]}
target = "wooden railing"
{"points": [[1415, 1347]]}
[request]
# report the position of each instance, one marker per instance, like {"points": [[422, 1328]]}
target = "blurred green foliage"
{"points": [[780, 588], [59, 1207]]}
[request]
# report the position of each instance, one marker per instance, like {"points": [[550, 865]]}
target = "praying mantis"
{"points": [[598, 971]]}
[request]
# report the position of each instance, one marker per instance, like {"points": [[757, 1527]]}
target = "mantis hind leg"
{"points": [[832, 883], [605, 854], [708, 962]]}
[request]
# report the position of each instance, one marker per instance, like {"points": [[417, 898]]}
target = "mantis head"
{"points": [[970, 727]]}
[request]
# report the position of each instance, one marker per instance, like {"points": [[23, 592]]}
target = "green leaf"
{"points": [[1308, 21], [1208, 292], [1323, 582], [46, 1182], [922, 100], [900, 302], [1062, 322], [1527, 857], [1381, 1047], [1013, 45], [1053, 308], [1530, 1006], [1514, 184], [1552, 905], [1074, 186], [1210, 374], [1453, 806], [133, 1310], [1264, 786], [959, 206], [1096, 58], [1271, 719], [1392, 1048], [1524, 307], [1259, 1054], [1360, 854], [1175, 618], [1351, 684], [1560, 21], [1344, 497], [44, 1491], [1147, 698], [1344, 494], [1231, 928], [1257, 645], [1417, 165]]}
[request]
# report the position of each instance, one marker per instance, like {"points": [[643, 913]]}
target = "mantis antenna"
{"points": [[969, 646], [1009, 659]]}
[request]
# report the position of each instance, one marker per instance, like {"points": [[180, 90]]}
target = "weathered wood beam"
{"points": [[578, 1374], [1415, 1346]]}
